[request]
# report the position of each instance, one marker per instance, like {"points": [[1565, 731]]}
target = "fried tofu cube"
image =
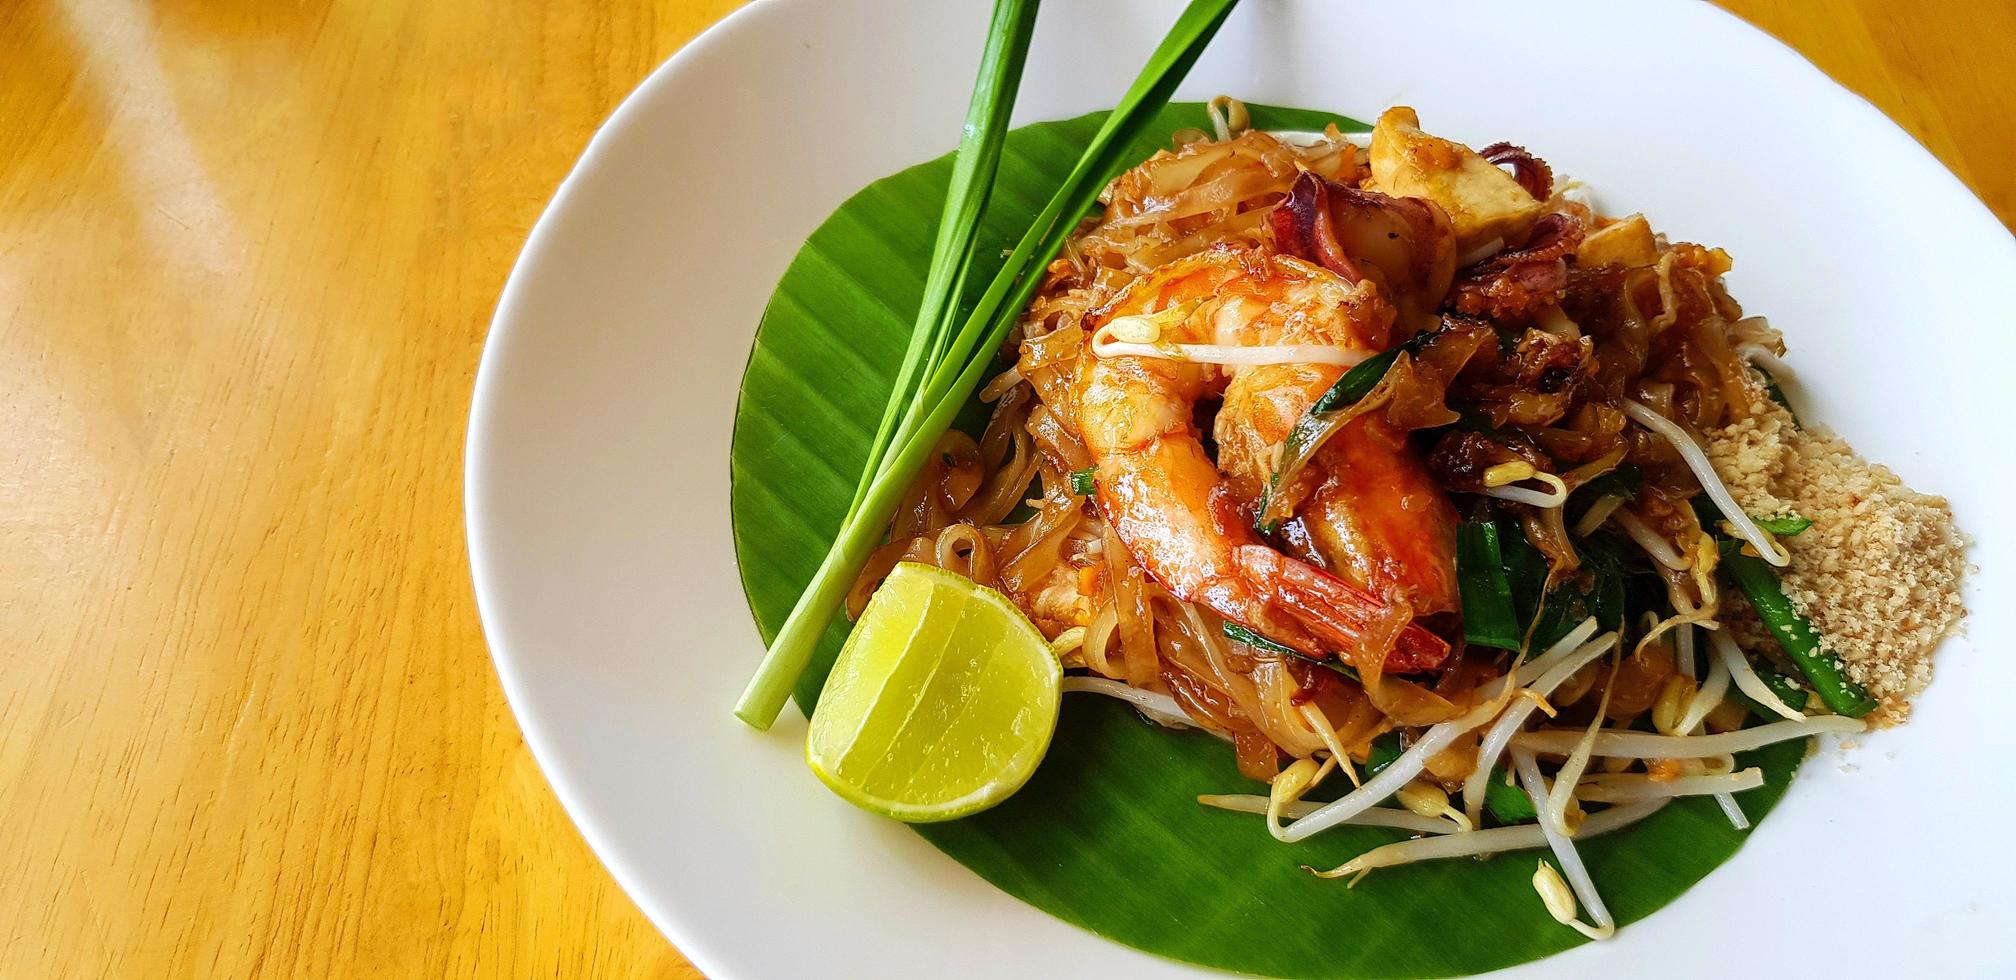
{"points": [[1627, 242], [1483, 202]]}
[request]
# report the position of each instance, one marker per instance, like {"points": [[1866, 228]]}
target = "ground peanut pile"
{"points": [[1879, 571]]}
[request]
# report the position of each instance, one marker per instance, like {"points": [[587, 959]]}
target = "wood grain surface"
{"points": [[248, 252]]}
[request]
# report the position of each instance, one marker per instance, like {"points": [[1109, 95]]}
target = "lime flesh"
{"points": [[942, 701]]}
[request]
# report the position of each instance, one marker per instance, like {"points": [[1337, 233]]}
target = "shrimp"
{"points": [[1164, 495], [1377, 518]]}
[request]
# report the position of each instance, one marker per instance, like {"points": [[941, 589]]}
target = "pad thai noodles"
{"points": [[1402, 468]]}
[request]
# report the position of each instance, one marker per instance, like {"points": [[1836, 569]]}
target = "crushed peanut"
{"points": [[1879, 571]]}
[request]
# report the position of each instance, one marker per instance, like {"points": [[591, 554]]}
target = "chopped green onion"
{"points": [[1509, 804], [1081, 482], [1797, 636], [1319, 423], [1241, 634], [1358, 382], [959, 361], [1784, 527], [972, 183], [1599, 590], [1486, 592], [1623, 481]]}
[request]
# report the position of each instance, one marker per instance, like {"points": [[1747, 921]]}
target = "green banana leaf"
{"points": [[1109, 835]]}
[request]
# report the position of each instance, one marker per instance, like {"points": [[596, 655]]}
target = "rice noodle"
{"points": [[1264, 694], [1565, 853], [1000, 384], [1378, 816], [1002, 492], [1490, 841], [976, 562], [1746, 677], [1642, 745], [1033, 549], [1068, 642], [1557, 325], [1637, 787], [1711, 482], [1303, 139], [1008, 457], [1135, 625], [1158, 708], [1098, 634]]}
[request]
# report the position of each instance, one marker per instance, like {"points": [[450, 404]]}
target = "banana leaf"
{"points": [[1109, 835]]}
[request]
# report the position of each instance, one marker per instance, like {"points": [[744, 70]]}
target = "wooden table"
{"points": [[248, 252]]}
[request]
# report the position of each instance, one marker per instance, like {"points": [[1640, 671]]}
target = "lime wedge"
{"points": [[942, 701]]}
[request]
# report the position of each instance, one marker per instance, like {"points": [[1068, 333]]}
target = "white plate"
{"points": [[598, 447]]}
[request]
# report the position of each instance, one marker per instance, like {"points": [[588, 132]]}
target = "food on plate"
{"points": [[1417, 477]]}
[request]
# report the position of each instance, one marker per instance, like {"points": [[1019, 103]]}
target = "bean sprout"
{"points": [[1642, 745], [1402, 770], [1106, 344], [1565, 853], [1659, 548], [1746, 677], [1489, 841], [1597, 513], [1555, 497], [1500, 735], [1704, 471], [1378, 816], [1637, 787]]}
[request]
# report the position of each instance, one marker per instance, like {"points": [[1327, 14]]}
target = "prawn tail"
{"points": [[1338, 614]]}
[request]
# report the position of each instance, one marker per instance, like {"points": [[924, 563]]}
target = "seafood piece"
{"points": [[1402, 244], [1376, 517], [1162, 492]]}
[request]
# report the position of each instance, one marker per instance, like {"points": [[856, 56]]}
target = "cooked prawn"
{"points": [[1376, 517], [1163, 494]]}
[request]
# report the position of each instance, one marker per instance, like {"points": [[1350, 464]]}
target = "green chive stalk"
{"points": [[965, 359], [972, 183], [1797, 636], [1485, 589], [1020, 276]]}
